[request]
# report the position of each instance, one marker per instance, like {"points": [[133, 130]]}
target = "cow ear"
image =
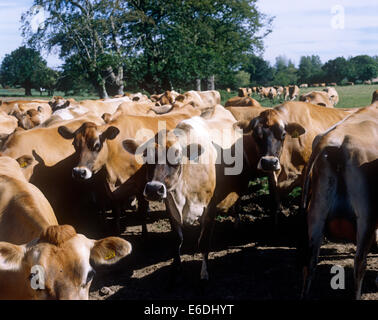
{"points": [[25, 161], [109, 250], [11, 256], [246, 126], [66, 133], [294, 129], [110, 133], [67, 103], [132, 146], [193, 151], [39, 109]]}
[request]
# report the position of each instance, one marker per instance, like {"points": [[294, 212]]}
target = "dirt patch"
{"points": [[254, 261]]}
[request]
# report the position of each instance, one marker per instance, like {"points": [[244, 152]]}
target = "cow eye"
{"points": [[283, 135], [97, 146], [90, 276]]}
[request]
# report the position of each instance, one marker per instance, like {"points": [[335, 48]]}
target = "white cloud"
{"points": [[305, 28]]}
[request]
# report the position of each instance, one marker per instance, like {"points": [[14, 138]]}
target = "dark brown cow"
{"points": [[339, 192], [284, 135]]}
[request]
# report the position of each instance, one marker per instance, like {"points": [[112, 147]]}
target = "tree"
{"points": [[23, 67], [89, 30], [310, 69], [260, 70], [336, 70], [179, 41], [286, 73], [363, 67]]}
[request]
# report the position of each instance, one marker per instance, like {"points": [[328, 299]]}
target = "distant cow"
{"points": [[319, 98], [339, 192], [291, 92], [241, 101], [242, 92], [303, 85], [332, 95]]}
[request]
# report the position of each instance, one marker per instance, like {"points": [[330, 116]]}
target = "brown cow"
{"points": [[245, 113], [102, 159], [339, 192], [240, 102], [284, 135], [40, 259], [192, 176]]}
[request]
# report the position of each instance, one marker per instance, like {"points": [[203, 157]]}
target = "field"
{"points": [[350, 96], [251, 262]]}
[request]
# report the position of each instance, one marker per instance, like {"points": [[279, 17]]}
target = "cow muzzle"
{"points": [[269, 163], [155, 191], [81, 173]]}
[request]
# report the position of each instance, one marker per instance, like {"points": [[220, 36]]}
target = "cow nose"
{"points": [[81, 173], [155, 191], [270, 164]]}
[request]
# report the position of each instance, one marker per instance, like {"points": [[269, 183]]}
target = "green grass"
{"points": [[349, 96]]}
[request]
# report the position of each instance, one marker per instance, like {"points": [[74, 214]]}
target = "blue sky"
{"points": [[299, 28]]}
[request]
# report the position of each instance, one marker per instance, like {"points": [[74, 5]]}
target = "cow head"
{"points": [[164, 161], [89, 143], [60, 264], [269, 131], [28, 119], [59, 103]]}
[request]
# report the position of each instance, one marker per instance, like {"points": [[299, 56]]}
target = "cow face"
{"points": [[58, 103], [60, 264], [89, 143], [269, 131], [164, 164]]}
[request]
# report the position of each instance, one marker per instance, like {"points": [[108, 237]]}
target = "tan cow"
{"points": [[303, 85], [320, 98], [332, 95], [7, 124], [243, 92], [101, 159], [40, 259], [203, 100], [340, 191], [245, 113], [192, 177], [239, 102]]}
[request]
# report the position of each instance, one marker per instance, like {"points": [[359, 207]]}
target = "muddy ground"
{"points": [[251, 262]]}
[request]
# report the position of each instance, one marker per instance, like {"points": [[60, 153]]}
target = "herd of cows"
{"points": [[65, 164]]}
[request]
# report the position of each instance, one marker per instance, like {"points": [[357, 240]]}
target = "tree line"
{"points": [[110, 46]]}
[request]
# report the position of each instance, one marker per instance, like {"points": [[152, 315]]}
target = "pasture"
{"points": [[350, 96]]}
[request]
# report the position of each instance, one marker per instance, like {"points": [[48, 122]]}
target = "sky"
{"points": [[328, 28]]}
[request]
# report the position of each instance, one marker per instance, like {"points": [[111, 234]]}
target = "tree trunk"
{"points": [[28, 90], [210, 83], [115, 81], [198, 84], [102, 91]]}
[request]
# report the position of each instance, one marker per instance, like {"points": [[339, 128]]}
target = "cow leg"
{"points": [[143, 207], [204, 241], [320, 205], [358, 195], [276, 203], [178, 239], [365, 237]]}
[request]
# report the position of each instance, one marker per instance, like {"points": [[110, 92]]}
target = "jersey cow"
{"points": [[339, 193], [40, 259]]}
